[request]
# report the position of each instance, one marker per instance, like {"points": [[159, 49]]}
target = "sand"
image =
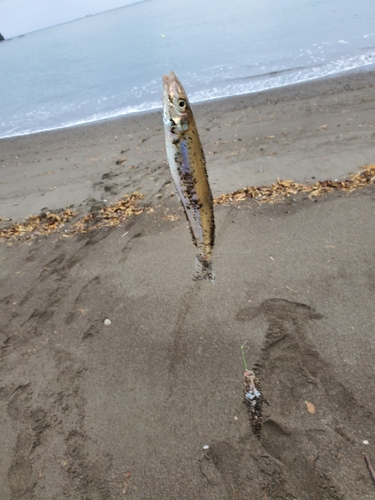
{"points": [[124, 410]]}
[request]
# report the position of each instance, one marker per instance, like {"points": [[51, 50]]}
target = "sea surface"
{"points": [[111, 64]]}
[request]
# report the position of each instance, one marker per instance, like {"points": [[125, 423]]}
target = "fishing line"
{"points": [[186, 304], [166, 54]]}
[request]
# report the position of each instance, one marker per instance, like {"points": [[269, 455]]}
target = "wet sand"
{"points": [[95, 411]]}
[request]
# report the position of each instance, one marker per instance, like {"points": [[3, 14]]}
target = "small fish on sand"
{"points": [[188, 168], [253, 400]]}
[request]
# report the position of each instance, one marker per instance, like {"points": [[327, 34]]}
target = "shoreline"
{"points": [[316, 130], [287, 87]]}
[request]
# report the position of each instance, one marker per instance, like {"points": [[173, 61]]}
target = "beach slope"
{"points": [[149, 403]]}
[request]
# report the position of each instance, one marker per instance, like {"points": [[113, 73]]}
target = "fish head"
{"points": [[177, 114]]}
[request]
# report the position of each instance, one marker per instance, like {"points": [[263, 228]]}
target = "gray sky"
{"points": [[18, 17]]}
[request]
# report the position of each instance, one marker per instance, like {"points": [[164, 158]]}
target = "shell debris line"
{"points": [[47, 223], [281, 189]]}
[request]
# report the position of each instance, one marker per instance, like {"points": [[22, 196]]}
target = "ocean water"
{"points": [[111, 64]]}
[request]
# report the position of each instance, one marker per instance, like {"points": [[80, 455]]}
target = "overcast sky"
{"points": [[18, 17]]}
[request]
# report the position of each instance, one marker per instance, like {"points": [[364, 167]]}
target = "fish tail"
{"points": [[203, 270]]}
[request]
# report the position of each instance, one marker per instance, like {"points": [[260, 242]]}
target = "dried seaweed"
{"points": [[281, 189], [47, 223], [111, 215]]}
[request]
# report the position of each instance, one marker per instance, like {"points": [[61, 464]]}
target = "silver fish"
{"points": [[188, 168]]}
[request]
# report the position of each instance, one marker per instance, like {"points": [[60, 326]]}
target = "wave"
{"points": [[97, 117], [284, 77], [201, 88]]}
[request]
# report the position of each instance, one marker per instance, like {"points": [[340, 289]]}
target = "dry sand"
{"points": [[91, 412]]}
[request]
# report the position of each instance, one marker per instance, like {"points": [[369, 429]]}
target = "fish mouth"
{"points": [[171, 87], [168, 79], [165, 81]]}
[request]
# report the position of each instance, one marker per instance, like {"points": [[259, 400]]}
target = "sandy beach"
{"points": [[150, 406]]}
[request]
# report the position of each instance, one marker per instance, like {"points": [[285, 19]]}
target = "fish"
{"points": [[253, 400], [188, 169]]}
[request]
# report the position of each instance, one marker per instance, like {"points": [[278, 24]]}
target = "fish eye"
{"points": [[182, 104]]}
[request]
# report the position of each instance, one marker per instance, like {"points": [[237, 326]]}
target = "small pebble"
{"points": [[365, 442], [205, 447], [107, 322]]}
